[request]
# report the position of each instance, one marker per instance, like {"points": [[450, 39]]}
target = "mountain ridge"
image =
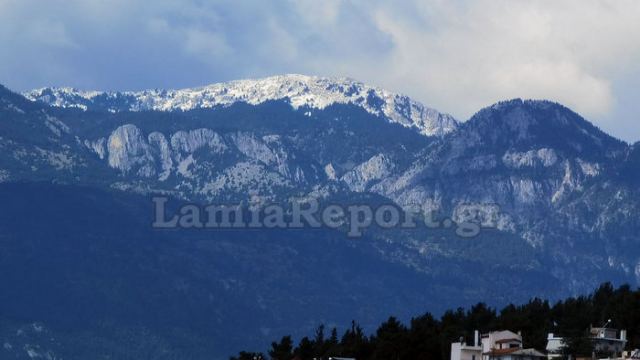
{"points": [[301, 90], [555, 196]]}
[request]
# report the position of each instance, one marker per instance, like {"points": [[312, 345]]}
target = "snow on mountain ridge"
{"points": [[301, 90]]}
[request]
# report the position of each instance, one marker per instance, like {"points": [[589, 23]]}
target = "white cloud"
{"points": [[318, 13], [206, 43], [464, 55], [49, 33], [457, 56]]}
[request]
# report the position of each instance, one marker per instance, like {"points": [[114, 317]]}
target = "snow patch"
{"points": [[301, 91]]}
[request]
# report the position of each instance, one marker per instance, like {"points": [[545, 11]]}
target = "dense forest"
{"points": [[427, 337]]}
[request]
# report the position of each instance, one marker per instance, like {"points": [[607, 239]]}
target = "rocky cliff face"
{"points": [[540, 172], [557, 195], [557, 200]]}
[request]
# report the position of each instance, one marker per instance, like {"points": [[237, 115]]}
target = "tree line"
{"points": [[428, 337]]}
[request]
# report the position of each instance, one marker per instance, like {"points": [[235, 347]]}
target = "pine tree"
{"points": [[282, 350], [305, 349], [392, 341], [355, 343]]}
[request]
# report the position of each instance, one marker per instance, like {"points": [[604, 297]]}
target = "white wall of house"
{"points": [[604, 340], [462, 351], [554, 344], [489, 341]]}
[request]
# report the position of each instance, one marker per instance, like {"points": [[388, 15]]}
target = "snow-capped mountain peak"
{"points": [[301, 90]]}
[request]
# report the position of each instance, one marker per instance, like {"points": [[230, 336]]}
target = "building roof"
{"points": [[516, 352]]}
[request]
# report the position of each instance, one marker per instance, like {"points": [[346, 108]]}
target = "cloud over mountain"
{"points": [[458, 56]]}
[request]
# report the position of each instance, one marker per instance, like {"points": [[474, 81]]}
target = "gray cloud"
{"points": [[457, 56]]}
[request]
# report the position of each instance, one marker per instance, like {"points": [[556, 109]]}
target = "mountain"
{"points": [[538, 171], [554, 197], [85, 276], [301, 91]]}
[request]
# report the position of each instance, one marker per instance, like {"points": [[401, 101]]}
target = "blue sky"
{"points": [[456, 56]]}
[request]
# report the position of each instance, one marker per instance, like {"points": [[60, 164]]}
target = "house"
{"points": [[609, 341], [605, 341], [554, 346], [507, 345], [496, 345], [501, 340], [461, 351]]}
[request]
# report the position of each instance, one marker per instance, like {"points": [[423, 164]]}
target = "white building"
{"points": [[507, 345], [497, 345], [501, 340], [462, 351], [609, 341], [554, 346], [605, 340]]}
